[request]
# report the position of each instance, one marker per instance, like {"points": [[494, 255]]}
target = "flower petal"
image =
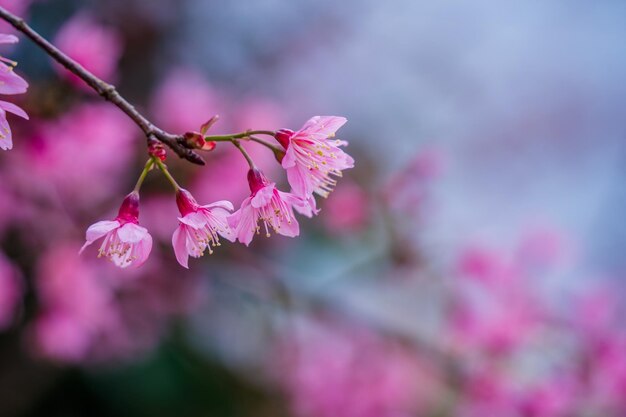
{"points": [[99, 229], [132, 233], [10, 107], [225, 204], [179, 239]]}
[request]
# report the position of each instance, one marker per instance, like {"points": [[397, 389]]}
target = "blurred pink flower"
{"points": [[544, 247], [59, 336], [311, 158], [334, 370], [93, 312], [17, 7], [105, 137], [184, 101], [408, 190], [125, 242], [554, 397], [96, 47], [348, 210], [273, 207], [11, 289], [486, 266], [200, 227], [487, 393]]}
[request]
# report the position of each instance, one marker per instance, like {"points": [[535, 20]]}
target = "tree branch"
{"points": [[107, 91]]}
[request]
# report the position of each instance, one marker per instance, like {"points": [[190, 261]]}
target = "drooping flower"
{"points": [[10, 83], [312, 158], [125, 242], [200, 227], [273, 207]]}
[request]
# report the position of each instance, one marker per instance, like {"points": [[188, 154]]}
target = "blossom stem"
{"points": [[143, 174], [167, 174], [266, 144], [242, 135], [244, 153], [107, 91]]}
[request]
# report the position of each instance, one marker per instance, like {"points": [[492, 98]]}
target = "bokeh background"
{"points": [[471, 264]]}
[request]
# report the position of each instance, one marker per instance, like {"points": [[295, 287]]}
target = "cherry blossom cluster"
{"points": [[311, 157]]}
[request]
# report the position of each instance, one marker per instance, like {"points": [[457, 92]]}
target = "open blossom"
{"points": [[273, 207], [200, 227], [10, 83], [125, 242], [312, 158]]}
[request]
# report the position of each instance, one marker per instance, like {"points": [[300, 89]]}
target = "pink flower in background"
{"points": [[125, 242], [184, 101], [312, 158], [200, 227], [10, 83], [106, 139], [96, 47], [11, 289], [61, 337], [330, 370], [409, 189], [273, 207], [75, 302], [348, 210], [555, 397], [93, 311], [17, 7]]}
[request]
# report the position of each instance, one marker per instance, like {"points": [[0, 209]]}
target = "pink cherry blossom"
{"points": [[200, 227], [96, 47], [125, 242], [312, 158], [10, 83], [273, 207]]}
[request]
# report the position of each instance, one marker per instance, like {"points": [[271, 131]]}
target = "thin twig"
{"points": [[107, 91]]}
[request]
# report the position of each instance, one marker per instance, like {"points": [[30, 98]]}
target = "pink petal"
{"points": [[4, 38], [194, 220], [142, 250], [10, 82], [6, 138], [10, 107], [289, 229], [243, 222], [323, 126], [98, 230], [289, 160], [179, 239], [225, 204], [132, 233], [298, 181], [263, 196]]}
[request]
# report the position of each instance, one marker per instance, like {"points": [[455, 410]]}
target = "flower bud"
{"points": [[129, 210], [283, 136], [256, 180], [185, 202]]}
